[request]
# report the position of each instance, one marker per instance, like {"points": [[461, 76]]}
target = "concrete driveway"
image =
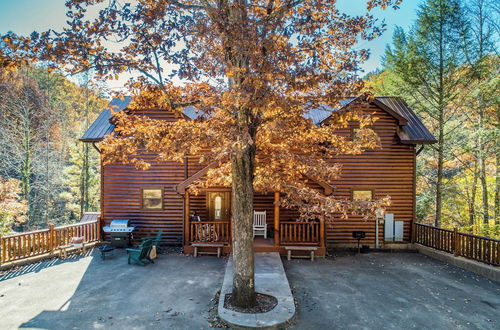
{"points": [[391, 291], [88, 293], [369, 291]]}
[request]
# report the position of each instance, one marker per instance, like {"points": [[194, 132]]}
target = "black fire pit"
{"points": [[106, 249]]}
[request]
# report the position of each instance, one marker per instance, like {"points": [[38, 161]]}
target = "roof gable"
{"points": [[102, 126], [411, 128]]}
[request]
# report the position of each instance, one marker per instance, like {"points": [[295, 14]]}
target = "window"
{"points": [[362, 195], [152, 199], [218, 207]]}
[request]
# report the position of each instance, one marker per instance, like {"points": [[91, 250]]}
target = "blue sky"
{"points": [[25, 16]]}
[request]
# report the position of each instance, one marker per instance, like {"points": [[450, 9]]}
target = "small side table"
{"points": [[106, 249]]}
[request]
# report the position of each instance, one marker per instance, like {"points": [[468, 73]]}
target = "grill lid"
{"points": [[118, 225]]}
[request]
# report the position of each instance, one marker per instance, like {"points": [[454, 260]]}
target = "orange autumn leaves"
{"points": [[252, 70]]}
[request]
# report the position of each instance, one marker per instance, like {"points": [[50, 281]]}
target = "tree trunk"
{"points": [[441, 108], [472, 201], [242, 163], [440, 162], [497, 172], [497, 188], [84, 181], [482, 162], [484, 188], [26, 163]]}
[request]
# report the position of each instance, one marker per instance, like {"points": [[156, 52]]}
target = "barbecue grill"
{"points": [[120, 232]]}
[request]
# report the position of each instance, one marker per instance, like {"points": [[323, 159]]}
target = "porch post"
{"points": [[187, 227], [276, 219], [322, 232]]}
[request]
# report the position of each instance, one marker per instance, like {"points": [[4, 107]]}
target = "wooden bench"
{"points": [[219, 247], [289, 250], [63, 250]]}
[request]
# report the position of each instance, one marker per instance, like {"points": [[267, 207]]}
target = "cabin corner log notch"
{"points": [[389, 170]]}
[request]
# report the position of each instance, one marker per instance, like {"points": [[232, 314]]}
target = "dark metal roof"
{"points": [[191, 112], [318, 115], [90, 216], [102, 125], [412, 132]]}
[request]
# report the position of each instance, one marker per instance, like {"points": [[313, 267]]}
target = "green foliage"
{"points": [[73, 195], [43, 115], [447, 68]]}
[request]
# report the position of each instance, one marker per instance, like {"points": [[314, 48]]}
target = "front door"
{"points": [[219, 205]]}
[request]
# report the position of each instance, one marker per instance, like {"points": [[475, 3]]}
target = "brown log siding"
{"points": [[387, 171], [121, 194]]}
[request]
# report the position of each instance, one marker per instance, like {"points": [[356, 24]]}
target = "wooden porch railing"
{"points": [[210, 232], [299, 233], [479, 248], [35, 243]]}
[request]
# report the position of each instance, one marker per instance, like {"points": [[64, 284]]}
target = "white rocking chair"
{"points": [[259, 223]]}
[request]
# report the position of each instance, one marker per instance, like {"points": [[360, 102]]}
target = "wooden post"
{"points": [[456, 242], [186, 218], [413, 231], [4, 250], [98, 228], [52, 243], [276, 219], [322, 233]]}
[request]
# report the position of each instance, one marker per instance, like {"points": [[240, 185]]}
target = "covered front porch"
{"points": [[207, 221]]}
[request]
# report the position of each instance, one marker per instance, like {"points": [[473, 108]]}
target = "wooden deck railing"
{"points": [[210, 232], [484, 249], [479, 248], [437, 238], [35, 243], [299, 233]]}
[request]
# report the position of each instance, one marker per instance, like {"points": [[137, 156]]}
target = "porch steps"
{"points": [[270, 278]]}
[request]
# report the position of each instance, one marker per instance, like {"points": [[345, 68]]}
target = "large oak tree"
{"points": [[254, 70]]}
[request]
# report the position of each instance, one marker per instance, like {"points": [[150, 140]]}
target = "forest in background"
{"points": [[446, 67], [48, 175]]}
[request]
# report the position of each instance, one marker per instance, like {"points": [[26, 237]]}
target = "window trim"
{"points": [[162, 198], [362, 189]]}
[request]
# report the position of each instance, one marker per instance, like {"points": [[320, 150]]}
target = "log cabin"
{"points": [[159, 197]]}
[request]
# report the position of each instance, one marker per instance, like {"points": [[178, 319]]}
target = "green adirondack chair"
{"points": [[156, 239], [141, 254]]}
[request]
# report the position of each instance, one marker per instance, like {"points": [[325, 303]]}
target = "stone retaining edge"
{"points": [[488, 271]]}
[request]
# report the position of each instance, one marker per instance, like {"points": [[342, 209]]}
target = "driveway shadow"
{"points": [[36, 267], [174, 293]]}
